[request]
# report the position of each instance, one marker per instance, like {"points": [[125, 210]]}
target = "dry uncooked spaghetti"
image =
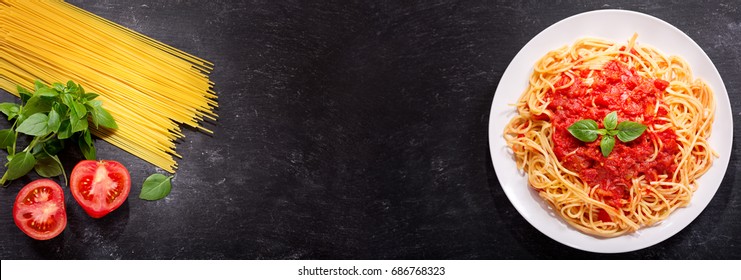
{"points": [[641, 182], [149, 87]]}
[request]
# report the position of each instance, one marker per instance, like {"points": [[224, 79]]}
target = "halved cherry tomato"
{"points": [[39, 209], [100, 186]]}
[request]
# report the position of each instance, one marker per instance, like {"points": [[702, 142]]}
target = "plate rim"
{"points": [[722, 161]]}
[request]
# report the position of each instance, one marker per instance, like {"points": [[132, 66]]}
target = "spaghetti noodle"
{"points": [[149, 87], [642, 181]]}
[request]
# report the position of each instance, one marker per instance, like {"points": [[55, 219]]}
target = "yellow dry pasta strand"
{"points": [[148, 87]]}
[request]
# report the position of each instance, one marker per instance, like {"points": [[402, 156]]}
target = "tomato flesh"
{"points": [[100, 186], [39, 210]]}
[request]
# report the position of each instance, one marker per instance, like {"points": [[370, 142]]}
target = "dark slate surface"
{"points": [[357, 130]]}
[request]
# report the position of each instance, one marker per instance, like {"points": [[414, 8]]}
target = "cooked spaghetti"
{"points": [[149, 87], [640, 182]]}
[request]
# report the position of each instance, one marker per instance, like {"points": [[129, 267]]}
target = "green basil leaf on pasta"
{"points": [[610, 121], [584, 130], [607, 144], [629, 131]]}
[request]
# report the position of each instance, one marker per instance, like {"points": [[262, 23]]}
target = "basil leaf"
{"points": [[629, 131], [20, 165], [53, 146], [48, 92], [100, 115], [7, 138], [38, 85], [9, 109], [48, 167], [606, 145], [90, 96], [584, 130], [65, 130], [24, 94], [36, 125], [55, 120], [36, 104], [80, 91], [67, 99], [77, 124], [77, 110], [610, 121], [71, 87], [87, 148], [156, 187], [58, 86]]}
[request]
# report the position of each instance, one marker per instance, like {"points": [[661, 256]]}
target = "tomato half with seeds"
{"points": [[39, 209], [100, 186]]}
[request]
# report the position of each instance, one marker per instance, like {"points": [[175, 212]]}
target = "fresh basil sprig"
{"points": [[588, 130], [52, 115]]}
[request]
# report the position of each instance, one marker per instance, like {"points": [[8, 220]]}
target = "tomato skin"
{"points": [[100, 187], [39, 209]]}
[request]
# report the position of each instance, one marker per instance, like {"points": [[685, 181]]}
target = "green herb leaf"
{"points": [[58, 86], [607, 144], [100, 116], [77, 110], [24, 94], [71, 87], [20, 165], [85, 142], [610, 121], [629, 131], [38, 85], [9, 109], [36, 125], [47, 92], [53, 146], [36, 104], [55, 120], [80, 91], [7, 138], [51, 115], [68, 99], [65, 130], [48, 166], [584, 130], [77, 124], [156, 187], [90, 96]]}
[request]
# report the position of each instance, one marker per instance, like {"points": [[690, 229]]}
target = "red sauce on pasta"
{"points": [[614, 88]]}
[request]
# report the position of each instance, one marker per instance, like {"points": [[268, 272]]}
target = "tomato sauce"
{"points": [[614, 88]]}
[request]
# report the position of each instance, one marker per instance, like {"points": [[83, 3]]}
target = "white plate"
{"points": [[618, 26]]}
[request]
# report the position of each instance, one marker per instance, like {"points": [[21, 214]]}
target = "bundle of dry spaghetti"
{"points": [[150, 88]]}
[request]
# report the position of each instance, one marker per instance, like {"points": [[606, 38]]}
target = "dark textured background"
{"points": [[357, 130]]}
